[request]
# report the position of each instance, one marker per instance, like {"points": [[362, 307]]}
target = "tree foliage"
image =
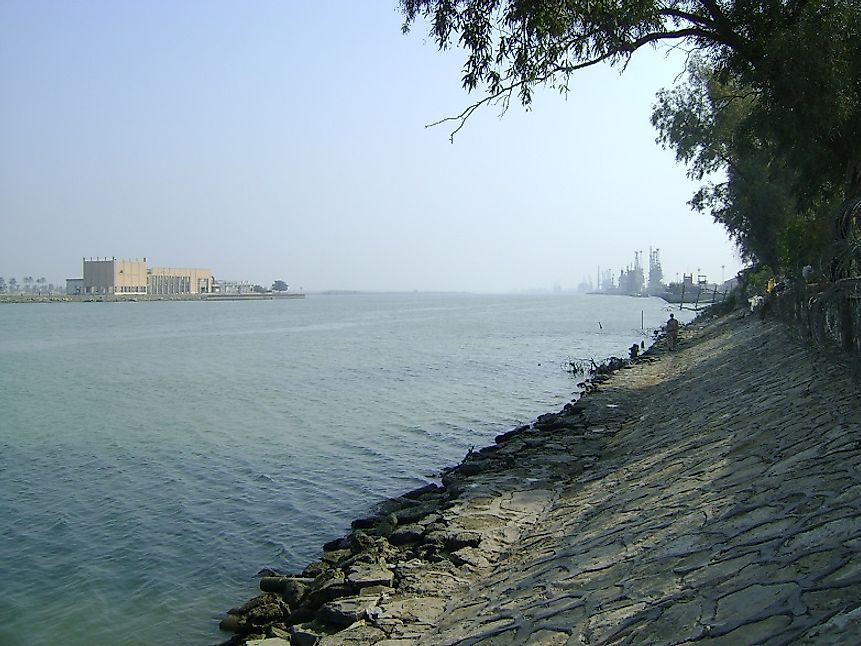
{"points": [[785, 124], [709, 125]]}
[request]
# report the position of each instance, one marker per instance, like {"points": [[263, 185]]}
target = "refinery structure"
{"points": [[633, 280]]}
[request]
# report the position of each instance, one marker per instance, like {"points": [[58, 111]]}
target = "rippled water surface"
{"points": [[154, 456]]}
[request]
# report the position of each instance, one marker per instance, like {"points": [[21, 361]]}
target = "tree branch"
{"points": [[685, 15]]}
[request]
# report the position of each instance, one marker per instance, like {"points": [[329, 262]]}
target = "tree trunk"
{"points": [[849, 227], [850, 213]]}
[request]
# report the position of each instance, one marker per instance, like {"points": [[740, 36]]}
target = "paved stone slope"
{"points": [[725, 509], [709, 495]]}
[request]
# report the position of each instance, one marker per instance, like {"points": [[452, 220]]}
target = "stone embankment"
{"points": [[706, 495]]}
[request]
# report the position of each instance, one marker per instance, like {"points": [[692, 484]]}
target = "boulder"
{"points": [[471, 468], [328, 586], [304, 635], [363, 576], [345, 612], [412, 515], [407, 534], [502, 438], [336, 556], [469, 556], [231, 623], [421, 491], [385, 525], [338, 544], [365, 523], [313, 570], [295, 589], [249, 605], [459, 540], [267, 613]]}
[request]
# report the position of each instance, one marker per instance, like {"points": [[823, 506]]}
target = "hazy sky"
{"points": [[286, 140]]}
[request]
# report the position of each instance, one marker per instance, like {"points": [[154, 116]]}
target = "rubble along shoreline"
{"points": [[414, 543]]}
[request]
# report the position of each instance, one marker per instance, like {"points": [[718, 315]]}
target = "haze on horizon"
{"points": [[272, 140]]}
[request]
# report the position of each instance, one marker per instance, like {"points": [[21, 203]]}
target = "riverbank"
{"points": [[709, 494]]}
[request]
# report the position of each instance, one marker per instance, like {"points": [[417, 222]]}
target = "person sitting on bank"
{"points": [[672, 332]]}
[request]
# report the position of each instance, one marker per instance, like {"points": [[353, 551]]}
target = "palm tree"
{"points": [[28, 283], [13, 286], [2, 284]]}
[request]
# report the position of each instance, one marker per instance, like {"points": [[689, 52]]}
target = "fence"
{"points": [[697, 298]]}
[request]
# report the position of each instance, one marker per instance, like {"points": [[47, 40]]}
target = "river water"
{"points": [[155, 455]]}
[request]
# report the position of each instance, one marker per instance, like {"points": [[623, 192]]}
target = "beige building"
{"points": [[129, 277], [173, 280], [112, 276]]}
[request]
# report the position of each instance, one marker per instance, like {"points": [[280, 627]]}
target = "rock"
{"points": [[268, 571], [249, 605], [412, 515], [294, 590], [280, 584], [504, 437], [363, 542], [573, 408], [365, 523], [336, 556], [359, 634], [391, 505], [315, 569], [337, 544], [326, 586], [469, 556], [328, 592], [267, 613], [436, 536], [432, 519], [459, 540], [277, 631], [302, 615], [231, 623], [412, 610], [271, 584], [407, 534], [304, 635], [363, 576], [345, 612], [377, 591], [269, 641], [385, 525], [471, 468], [421, 491]]}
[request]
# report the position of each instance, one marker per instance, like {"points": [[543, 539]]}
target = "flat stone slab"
{"points": [[364, 576]]}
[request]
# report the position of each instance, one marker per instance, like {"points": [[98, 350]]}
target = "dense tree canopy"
{"points": [[708, 123], [774, 97]]}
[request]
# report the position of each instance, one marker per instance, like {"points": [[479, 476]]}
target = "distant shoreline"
{"points": [[129, 298]]}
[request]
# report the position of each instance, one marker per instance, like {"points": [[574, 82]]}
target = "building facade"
{"points": [[173, 280], [109, 276], [74, 286]]}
